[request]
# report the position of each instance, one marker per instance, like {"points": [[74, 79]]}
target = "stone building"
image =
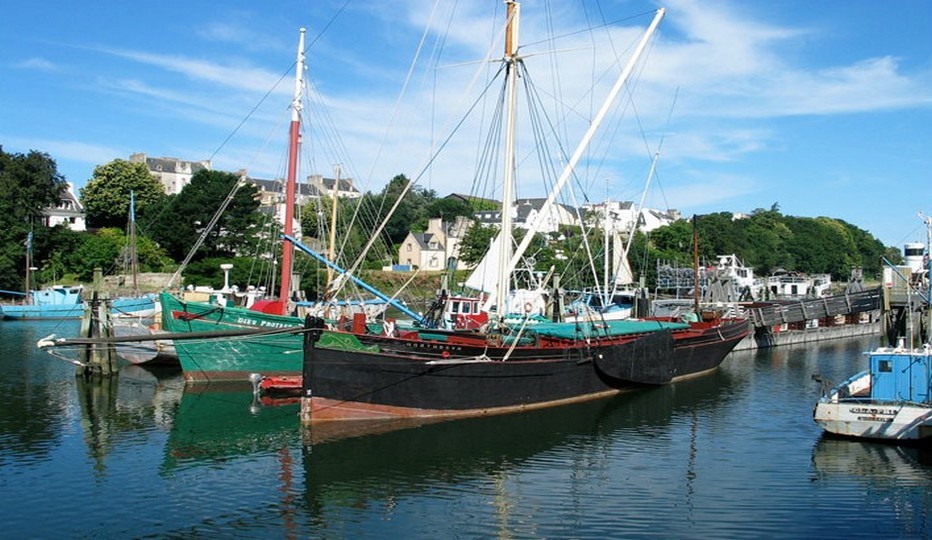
{"points": [[173, 173]]}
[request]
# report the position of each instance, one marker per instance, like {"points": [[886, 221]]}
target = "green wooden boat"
{"points": [[226, 357]]}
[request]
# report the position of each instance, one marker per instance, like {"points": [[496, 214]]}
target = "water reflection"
{"points": [[894, 478], [130, 406], [378, 470], [879, 463], [35, 393], [216, 423]]}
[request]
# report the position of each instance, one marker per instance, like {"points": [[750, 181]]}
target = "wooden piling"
{"points": [[97, 359]]}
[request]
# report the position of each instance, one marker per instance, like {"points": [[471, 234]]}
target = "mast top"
{"points": [[296, 105], [511, 30]]}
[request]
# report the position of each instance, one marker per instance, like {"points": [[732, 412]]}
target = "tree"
{"points": [[410, 216], [183, 217], [476, 242], [29, 183], [448, 209], [101, 250], [768, 240], [106, 196]]}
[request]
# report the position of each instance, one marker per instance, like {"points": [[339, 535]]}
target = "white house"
{"points": [[621, 215], [654, 219], [526, 211], [436, 248], [68, 212]]}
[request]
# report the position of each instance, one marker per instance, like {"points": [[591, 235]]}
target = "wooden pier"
{"points": [[769, 314]]}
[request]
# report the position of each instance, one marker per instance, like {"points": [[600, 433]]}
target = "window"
{"points": [[885, 366], [408, 246]]}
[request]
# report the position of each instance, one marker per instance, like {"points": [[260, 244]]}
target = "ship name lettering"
{"points": [[872, 411]]}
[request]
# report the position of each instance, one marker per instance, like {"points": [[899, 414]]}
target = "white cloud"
{"points": [[241, 75], [65, 149], [39, 64]]}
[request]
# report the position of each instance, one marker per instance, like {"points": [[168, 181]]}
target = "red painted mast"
{"points": [[290, 186]]}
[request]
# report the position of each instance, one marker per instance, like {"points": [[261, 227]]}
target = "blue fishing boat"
{"points": [[67, 302], [58, 301], [891, 400]]}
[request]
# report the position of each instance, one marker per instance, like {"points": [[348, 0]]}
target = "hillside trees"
{"points": [[768, 240]]}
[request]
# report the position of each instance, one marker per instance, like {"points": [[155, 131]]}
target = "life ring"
{"points": [[528, 307]]}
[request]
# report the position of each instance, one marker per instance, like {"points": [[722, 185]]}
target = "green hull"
{"points": [[230, 358], [235, 358]]}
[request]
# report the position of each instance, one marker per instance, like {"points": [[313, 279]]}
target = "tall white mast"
{"points": [[584, 143], [294, 138], [508, 189]]}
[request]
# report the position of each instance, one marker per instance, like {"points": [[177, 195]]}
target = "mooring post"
{"points": [[97, 359]]}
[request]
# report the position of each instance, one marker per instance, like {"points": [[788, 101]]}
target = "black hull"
{"points": [[703, 352], [476, 381], [385, 384]]}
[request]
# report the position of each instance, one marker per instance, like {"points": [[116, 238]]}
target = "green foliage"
{"points": [[448, 209], [106, 197], [476, 242], [183, 217], [100, 250], [28, 184], [54, 249], [410, 215], [351, 231], [768, 240]]}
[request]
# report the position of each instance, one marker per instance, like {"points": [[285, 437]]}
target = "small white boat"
{"points": [[889, 401]]}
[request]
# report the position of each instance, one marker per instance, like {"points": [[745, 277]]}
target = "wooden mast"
{"points": [[133, 254], [331, 250], [505, 248], [584, 143], [294, 140], [696, 284], [28, 266]]}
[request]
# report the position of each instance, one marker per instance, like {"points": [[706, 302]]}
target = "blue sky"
{"points": [[824, 108]]}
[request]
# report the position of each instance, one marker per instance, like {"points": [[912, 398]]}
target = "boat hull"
{"points": [[230, 359], [875, 420], [33, 312], [355, 385]]}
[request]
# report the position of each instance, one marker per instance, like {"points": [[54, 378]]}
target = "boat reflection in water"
{"points": [[376, 469], [137, 404], [840, 456], [215, 423], [892, 477]]}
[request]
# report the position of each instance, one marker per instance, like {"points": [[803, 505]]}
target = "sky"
{"points": [[820, 108]]}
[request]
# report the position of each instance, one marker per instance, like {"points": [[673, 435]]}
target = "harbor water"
{"points": [[734, 454]]}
